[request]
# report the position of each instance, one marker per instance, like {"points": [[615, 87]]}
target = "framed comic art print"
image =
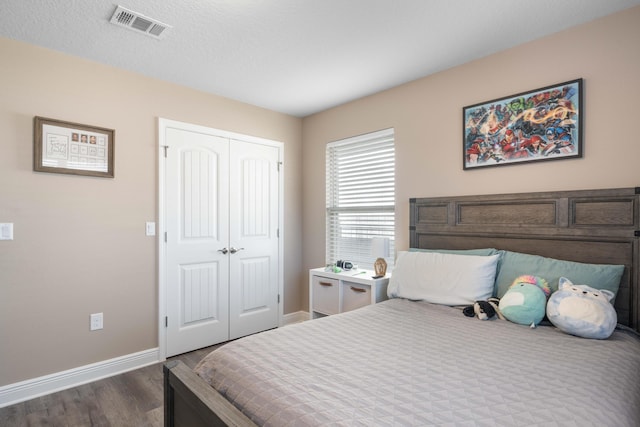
{"points": [[72, 148], [542, 124]]}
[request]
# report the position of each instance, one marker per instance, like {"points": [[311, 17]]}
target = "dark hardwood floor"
{"points": [[133, 399]]}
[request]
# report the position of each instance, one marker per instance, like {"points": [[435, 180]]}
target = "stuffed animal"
{"points": [[485, 310], [525, 300], [582, 311]]}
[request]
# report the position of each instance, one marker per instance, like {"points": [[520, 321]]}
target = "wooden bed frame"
{"points": [[590, 226]]}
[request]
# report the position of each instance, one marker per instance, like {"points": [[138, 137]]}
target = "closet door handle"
{"points": [[234, 250], [223, 250]]}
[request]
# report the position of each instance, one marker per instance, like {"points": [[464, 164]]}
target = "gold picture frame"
{"points": [[72, 148]]}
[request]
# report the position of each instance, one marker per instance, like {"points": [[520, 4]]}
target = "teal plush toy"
{"points": [[582, 311], [525, 301]]}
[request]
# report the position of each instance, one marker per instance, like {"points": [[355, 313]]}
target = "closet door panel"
{"points": [[197, 227], [254, 209]]}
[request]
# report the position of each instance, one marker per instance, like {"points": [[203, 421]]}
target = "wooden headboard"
{"points": [[590, 226]]}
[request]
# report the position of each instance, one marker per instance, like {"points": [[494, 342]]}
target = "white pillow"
{"points": [[443, 278]]}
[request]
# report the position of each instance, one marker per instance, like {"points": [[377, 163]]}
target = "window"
{"points": [[360, 197]]}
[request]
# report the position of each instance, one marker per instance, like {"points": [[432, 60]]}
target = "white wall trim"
{"points": [[36, 387], [297, 317], [47, 384]]}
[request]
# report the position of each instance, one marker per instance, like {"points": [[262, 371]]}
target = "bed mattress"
{"points": [[402, 362]]}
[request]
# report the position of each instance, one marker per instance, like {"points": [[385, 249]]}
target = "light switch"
{"points": [[151, 228], [6, 231]]}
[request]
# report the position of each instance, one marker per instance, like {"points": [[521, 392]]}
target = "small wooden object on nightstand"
{"points": [[333, 293]]}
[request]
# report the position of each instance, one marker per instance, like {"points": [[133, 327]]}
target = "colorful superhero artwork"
{"points": [[543, 124]]}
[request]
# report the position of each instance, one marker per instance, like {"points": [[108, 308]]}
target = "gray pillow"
{"points": [[482, 252], [514, 264]]}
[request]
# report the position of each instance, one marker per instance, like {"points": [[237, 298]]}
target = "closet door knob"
{"points": [[224, 251], [234, 250]]}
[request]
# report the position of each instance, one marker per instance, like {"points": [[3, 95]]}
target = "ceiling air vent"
{"points": [[138, 22]]}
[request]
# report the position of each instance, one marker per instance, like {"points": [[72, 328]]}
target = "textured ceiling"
{"points": [[294, 56]]}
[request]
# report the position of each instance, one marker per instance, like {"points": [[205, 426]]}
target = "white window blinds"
{"points": [[360, 197]]}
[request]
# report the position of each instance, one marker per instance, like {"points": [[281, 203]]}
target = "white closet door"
{"points": [[197, 226], [254, 210], [220, 263]]}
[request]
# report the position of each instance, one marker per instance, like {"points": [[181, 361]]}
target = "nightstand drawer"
{"points": [[335, 292], [326, 294], [355, 295]]}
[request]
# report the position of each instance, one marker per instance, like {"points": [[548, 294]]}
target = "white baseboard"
{"points": [[36, 387], [298, 316]]}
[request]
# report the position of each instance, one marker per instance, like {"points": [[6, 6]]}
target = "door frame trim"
{"points": [[164, 124]]}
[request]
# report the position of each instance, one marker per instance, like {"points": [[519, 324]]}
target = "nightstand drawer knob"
{"points": [[358, 289], [325, 284]]}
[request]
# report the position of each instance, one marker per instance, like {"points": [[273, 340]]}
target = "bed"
{"points": [[406, 362]]}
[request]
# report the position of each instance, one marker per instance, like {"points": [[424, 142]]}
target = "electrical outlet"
{"points": [[96, 321], [6, 231]]}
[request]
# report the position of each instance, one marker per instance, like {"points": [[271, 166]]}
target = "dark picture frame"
{"points": [[537, 125], [72, 148]]}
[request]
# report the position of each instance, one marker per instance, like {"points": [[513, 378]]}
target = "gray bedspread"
{"points": [[402, 363]]}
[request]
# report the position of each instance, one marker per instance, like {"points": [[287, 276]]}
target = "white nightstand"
{"points": [[332, 293]]}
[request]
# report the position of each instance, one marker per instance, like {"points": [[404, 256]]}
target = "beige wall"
{"points": [[80, 245], [427, 117]]}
